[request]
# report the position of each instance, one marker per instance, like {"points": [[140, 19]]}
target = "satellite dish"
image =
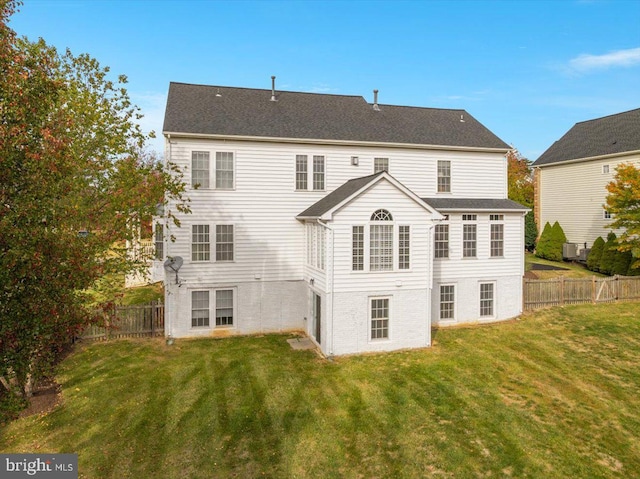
{"points": [[173, 264]]}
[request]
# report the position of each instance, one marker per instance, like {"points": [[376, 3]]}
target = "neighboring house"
{"points": [[572, 175], [360, 224]]}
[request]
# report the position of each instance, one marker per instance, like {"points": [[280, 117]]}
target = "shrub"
{"points": [[593, 260], [530, 231], [608, 254], [551, 242]]}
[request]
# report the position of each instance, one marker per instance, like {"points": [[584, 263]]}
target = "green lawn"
{"points": [[553, 395]]}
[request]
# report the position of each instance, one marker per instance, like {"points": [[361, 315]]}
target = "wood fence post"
{"points": [[153, 319], [561, 290], [593, 289]]}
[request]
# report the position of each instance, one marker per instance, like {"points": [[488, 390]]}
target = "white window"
{"points": [[381, 241], [224, 243], [444, 176], [224, 170], [200, 243], [447, 301], [606, 215], [379, 318], [224, 307], [404, 243], [357, 241], [200, 169], [310, 175], [469, 236], [316, 246], [605, 169], [158, 236], [497, 240], [318, 172], [441, 247], [199, 309], [380, 164], [301, 172], [486, 299]]}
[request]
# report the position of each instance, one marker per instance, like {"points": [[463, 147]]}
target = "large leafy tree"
{"points": [[519, 179], [74, 183], [623, 202]]}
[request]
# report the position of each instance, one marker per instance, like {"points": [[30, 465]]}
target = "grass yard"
{"points": [[573, 270], [553, 395]]}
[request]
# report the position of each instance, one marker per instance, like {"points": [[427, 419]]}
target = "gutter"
{"points": [[320, 141]]}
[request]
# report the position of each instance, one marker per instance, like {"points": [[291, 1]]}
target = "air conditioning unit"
{"points": [[570, 251]]}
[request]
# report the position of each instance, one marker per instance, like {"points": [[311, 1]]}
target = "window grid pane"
{"points": [[224, 242], [301, 172], [358, 248], [224, 169], [200, 169], [200, 246], [318, 172], [159, 241], [486, 299], [224, 307], [442, 241], [447, 301], [469, 241], [497, 240], [404, 239], [321, 248], [381, 247], [380, 164], [444, 176], [199, 309], [380, 318]]}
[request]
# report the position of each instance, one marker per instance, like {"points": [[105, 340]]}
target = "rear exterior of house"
{"points": [[572, 175], [360, 224]]}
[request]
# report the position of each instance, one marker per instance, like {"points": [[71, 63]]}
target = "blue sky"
{"points": [[526, 70]]}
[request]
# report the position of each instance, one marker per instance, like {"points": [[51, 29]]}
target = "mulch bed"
{"points": [[547, 267], [45, 397]]}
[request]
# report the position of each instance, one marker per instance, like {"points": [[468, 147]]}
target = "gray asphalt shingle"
{"points": [[218, 110], [602, 136]]}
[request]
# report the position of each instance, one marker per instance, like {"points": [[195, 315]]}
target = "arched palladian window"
{"points": [[381, 215], [381, 241]]}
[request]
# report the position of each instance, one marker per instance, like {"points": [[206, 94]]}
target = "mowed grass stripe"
{"points": [[555, 394]]}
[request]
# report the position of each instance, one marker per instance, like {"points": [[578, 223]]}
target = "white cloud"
{"points": [[620, 58]]}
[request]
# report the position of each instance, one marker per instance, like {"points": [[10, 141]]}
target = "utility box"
{"points": [[570, 251]]}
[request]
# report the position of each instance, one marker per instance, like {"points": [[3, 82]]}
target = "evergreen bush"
{"points": [[608, 254], [530, 231], [593, 260]]}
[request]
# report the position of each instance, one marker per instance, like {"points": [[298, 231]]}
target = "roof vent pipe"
{"points": [[375, 100], [273, 88]]}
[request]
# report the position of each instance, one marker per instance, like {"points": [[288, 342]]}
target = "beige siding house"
{"points": [[571, 176], [360, 224]]}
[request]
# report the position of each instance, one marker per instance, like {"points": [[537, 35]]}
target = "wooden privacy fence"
{"points": [[144, 320], [541, 293]]}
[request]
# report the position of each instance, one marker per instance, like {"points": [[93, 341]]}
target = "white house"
{"points": [[572, 175], [360, 224]]}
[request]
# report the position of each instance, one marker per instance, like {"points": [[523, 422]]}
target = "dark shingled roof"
{"points": [[473, 204], [602, 136], [217, 110], [337, 196]]}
